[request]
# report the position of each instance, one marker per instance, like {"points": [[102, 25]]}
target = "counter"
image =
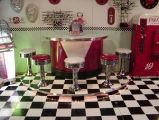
{"points": [[89, 46]]}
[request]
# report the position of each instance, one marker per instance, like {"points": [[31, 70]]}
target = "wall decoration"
{"points": [[17, 5], [149, 4], [32, 12], [101, 2], [54, 2], [124, 6], [16, 20], [57, 18], [111, 16]]}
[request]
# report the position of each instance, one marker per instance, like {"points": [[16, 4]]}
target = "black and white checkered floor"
{"points": [[138, 100]]}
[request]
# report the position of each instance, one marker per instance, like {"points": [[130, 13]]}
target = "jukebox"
{"points": [[7, 61], [145, 46]]}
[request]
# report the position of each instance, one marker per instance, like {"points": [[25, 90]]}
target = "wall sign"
{"points": [[54, 2], [111, 16], [101, 2], [17, 5], [149, 4], [32, 12]]}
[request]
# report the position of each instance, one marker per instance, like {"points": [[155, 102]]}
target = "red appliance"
{"points": [[145, 46], [77, 47], [7, 61]]}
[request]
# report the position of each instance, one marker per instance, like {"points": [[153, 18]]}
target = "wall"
{"points": [[32, 34]]}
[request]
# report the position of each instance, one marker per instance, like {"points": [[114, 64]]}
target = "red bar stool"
{"points": [[41, 60], [74, 63], [28, 53], [108, 62]]}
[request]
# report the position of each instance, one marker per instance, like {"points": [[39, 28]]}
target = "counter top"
{"points": [[82, 37]]}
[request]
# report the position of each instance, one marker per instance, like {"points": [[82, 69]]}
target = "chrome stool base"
{"points": [[74, 63]]}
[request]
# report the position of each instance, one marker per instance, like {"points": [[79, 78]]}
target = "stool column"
{"points": [[75, 79], [42, 75], [29, 73]]}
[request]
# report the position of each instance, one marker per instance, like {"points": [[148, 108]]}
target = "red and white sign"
{"points": [[111, 16]]}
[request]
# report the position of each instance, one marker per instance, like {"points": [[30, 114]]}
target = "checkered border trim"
{"points": [[66, 28]]}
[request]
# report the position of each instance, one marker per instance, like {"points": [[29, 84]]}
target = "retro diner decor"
{"points": [[145, 46], [149, 4], [101, 2], [54, 2], [17, 5]]}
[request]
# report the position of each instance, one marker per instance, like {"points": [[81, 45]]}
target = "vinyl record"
{"points": [[17, 5], [54, 2], [149, 4], [101, 2]]}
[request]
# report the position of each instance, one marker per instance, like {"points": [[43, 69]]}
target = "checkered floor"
{"points": [[139, 100]]}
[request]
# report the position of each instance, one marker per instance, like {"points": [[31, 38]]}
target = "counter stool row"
{"points": [[108, 61]]}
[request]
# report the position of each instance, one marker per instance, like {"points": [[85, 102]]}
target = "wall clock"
{"points": [[54, 2], [101, 2], [149, 4]]}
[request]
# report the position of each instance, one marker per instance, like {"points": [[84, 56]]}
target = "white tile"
{"points": [[15, 99], [146, 91], [139, 82], [59, 82], [2, 104], [78, 118], [149, 110], [92, 86], [139, 117], [40, 98], [6, 112], [16, 118], [124, 111], [153, 86], [7, 93], [117, 111], [29, 93], [34, 112], [24, 105], [109, 118], [23, 88], [140, 97], [63, 112], [50, 105], [78, 105], [125, 92], [47, 118], [132, 87], [93, 111], [131, 103], [105, 104]]}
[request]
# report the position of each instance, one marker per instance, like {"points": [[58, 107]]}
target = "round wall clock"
{"points": [[149, 4], [54, 2], [101, 2]]}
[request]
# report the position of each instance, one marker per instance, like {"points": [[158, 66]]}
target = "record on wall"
{"points": [[17, 5], [101, 2], [54, 2], [111, 16], [149, 4]]}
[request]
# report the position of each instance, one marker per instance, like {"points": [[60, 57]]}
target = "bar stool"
{"points": [[28, 53], [108, 62], [124, 55], [74, 63], [41, 60]]}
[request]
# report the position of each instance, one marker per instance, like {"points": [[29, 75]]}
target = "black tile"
{"points": [[131, 83], [83, 86], [32, 118], [4, 98], [10, 104], [63, 118], [78, 112], [1, 92], [49, 112], [118, 104], [157, 108], [52, 98], [64, 105], [100, 77], [91, 81], [77, 98], [93, 91], [107, 111], [91, 105], [94, 118], [144, 103], [136, 110], [156, 91], [57, 86], [153, 117], [37, 105], [68, 82], [148, 82], [127, 97], [11, 88], [151, 96], [27, 98], [125, 117], [135, 91], [20, 112]]}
